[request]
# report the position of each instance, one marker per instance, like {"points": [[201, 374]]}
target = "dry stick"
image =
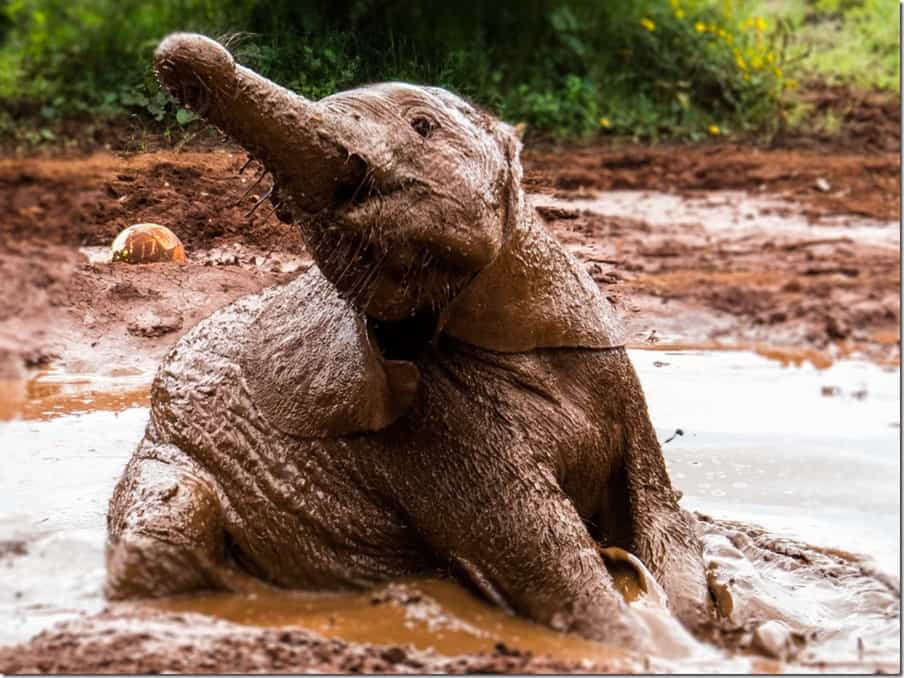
{"points": [[273, 247], [273, 211], [259, 202], [251, 188], [245, 166]]}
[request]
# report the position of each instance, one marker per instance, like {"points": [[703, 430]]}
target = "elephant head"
{"points": [[408, 198]]}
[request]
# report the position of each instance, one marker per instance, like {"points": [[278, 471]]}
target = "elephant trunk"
{"points": [[291, 135]]}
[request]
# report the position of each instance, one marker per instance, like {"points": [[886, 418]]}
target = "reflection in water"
{"points": [[52, 394], [780, 603], [761, 444], [427, 613]]}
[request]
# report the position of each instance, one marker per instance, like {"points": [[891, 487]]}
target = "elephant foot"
{"points": [[165, 530], [674, 553]]}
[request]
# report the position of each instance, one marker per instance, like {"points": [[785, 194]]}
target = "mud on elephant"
{"points": [[446, 391]]}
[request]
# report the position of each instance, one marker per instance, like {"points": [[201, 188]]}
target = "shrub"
{"points": [[565, 67]]}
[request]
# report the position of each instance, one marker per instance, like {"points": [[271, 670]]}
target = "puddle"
{"points": [[58, 474], [729, 212], [761, 443], [53, 393], [426, 613], [809, 455]]}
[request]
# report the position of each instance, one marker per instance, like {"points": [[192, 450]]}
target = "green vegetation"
{"points": [[642, 68], [848, 41]]}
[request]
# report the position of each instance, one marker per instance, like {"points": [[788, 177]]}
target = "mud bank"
{"points": [[145, 642], [773, 264]]}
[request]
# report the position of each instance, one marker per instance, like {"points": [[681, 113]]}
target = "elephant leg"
{"points": [[662, 534], [165, 529], [527, 550]]}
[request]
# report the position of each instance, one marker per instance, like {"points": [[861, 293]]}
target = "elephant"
{"points": [[446, 391]]}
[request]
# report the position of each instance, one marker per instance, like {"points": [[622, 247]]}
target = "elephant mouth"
{"points": [[367, 195], [365, 244], [380, 275]]}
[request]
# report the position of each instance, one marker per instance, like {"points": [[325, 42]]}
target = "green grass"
{"points": [[845, 42]]}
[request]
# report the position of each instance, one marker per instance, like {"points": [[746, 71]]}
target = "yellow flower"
{"points": [[760, 24], [739, 60], [770, 57], [700, 27], [675, 3], [604, 122], [777, 71], [714, 130], [790, 84], [679, 13], [756, 63], [648, 24]]}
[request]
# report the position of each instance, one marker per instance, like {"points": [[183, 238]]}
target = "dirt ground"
{"points": [[812, 297], [114, 643], [817, 295], [793, 296]]}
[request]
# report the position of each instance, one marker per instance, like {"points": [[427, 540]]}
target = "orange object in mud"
{"points": [[147, 244]]}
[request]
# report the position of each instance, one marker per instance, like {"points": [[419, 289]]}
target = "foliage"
{"points": [[646, 68], [848, 41], [686, 67]]}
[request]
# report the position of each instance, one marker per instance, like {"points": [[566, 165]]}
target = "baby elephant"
{"points": [[446, 391]]}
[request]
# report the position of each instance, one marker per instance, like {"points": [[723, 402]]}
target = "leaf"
{"points": [[184, 116]]}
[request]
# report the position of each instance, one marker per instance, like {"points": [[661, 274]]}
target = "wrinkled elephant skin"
{"points": [[446, 391]]}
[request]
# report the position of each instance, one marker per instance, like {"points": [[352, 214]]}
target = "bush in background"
{"points": [[647, 68]]}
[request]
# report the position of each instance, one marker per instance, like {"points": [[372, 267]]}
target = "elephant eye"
{"points": [[423, 125]]}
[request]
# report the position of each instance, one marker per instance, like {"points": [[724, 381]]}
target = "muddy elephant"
{"points": [[446, 391]]}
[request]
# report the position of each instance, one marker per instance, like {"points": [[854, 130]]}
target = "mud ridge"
{"points": [[140, 641]]}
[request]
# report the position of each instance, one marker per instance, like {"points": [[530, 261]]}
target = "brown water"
{"points": [[735, 212], [54, 393], [434, 614], [771, 449]]}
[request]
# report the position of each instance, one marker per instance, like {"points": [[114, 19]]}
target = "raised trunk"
{"points": [[291, 135]]}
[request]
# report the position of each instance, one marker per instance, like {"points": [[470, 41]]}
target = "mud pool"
{"points": [[809, 455]]}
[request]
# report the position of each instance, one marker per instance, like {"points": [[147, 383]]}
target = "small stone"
{"points": [[394, 655], [823, 185], [151, 323]]}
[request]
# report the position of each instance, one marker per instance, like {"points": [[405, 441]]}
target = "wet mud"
{"points": [[719, 248], [811, 589], [757, 266]]}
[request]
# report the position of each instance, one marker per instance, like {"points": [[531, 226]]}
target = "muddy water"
{"points": [[728, 212], [809, 455]]}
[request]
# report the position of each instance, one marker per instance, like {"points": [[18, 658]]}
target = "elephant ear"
{"points": [[534, 295], [311, 367]]}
